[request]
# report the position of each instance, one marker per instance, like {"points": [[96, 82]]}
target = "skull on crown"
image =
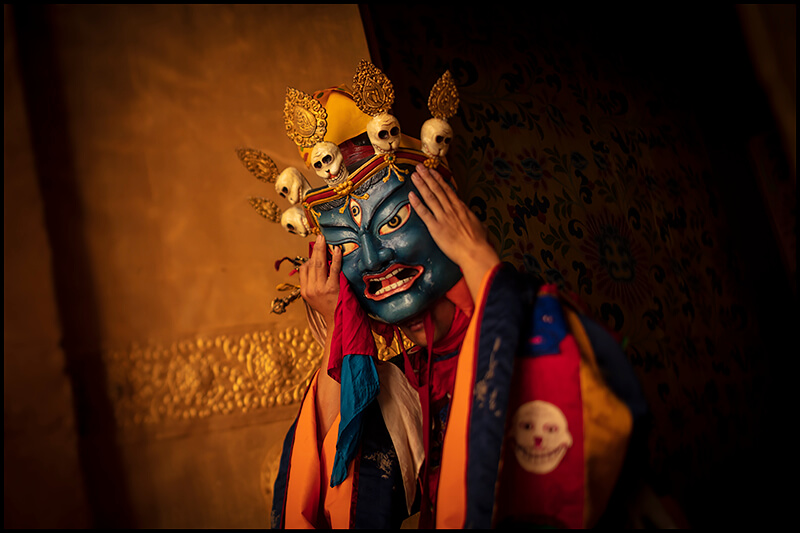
{"points": [[436, 136], [328, 163], [384, 133], [291, 184], [294, 221]]}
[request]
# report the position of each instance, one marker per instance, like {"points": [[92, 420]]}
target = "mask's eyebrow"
{"points": [[336, 224], [330, 211], [347, 222], [378, 217], [338, 234]]}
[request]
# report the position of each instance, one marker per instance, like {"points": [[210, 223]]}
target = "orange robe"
{"points": [[531, 373]]}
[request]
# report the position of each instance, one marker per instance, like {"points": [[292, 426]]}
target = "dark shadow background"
{"points": [[675, 102]]}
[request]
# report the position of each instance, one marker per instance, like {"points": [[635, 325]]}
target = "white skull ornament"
{"points": [[384, 133], [328, 163], [436, 135], [294, 221], [292, 185], [541, 436]]}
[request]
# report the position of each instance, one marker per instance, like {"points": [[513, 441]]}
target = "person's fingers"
{"points": [[422, 211], [453, 209], [321, 258], [466, 216], [315, 266], [439, 190], [447, 190], [318, 255], [437, 177], [303, 273], [336, 267], [424, 184]]}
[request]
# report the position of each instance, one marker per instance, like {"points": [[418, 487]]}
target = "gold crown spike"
{"points": [[266, 208], [372, 90], [443, 100], [436, 133], [373, 94], [259, 164], [305, 118]]}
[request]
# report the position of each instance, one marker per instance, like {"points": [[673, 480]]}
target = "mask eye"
{"points": [[355, 211], [346, 247], [396, 221]]}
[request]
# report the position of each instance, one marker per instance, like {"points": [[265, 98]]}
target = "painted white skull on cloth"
{"points": [[541, 436]]}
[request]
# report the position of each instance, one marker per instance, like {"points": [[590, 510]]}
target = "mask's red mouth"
{"points": [[396, 278]]}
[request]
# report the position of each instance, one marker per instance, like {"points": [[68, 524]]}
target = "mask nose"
{"points": [[373, 254]]}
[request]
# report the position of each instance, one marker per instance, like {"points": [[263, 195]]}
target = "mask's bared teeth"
{"points": [[393, 286], [392, 281]]}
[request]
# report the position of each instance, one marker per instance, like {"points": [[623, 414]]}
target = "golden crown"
{"points": [[345, 135]]}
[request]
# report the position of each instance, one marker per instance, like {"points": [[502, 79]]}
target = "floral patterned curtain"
{"points": [[590, 169]]}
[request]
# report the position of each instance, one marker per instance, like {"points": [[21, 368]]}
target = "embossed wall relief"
{"points": [[207, 376]]}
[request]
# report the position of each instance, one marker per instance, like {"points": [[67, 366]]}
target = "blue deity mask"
{"points": [[392, 263], [349, 138]]}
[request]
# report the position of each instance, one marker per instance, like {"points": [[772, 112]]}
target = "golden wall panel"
{"points": [[211, 375], [151, 244], [206, 376]]}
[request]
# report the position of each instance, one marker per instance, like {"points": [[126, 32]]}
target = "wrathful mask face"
{"points": [[392, 263]]}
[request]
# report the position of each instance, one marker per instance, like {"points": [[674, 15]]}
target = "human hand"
{"points": [[319, 286], [453, 226]]}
